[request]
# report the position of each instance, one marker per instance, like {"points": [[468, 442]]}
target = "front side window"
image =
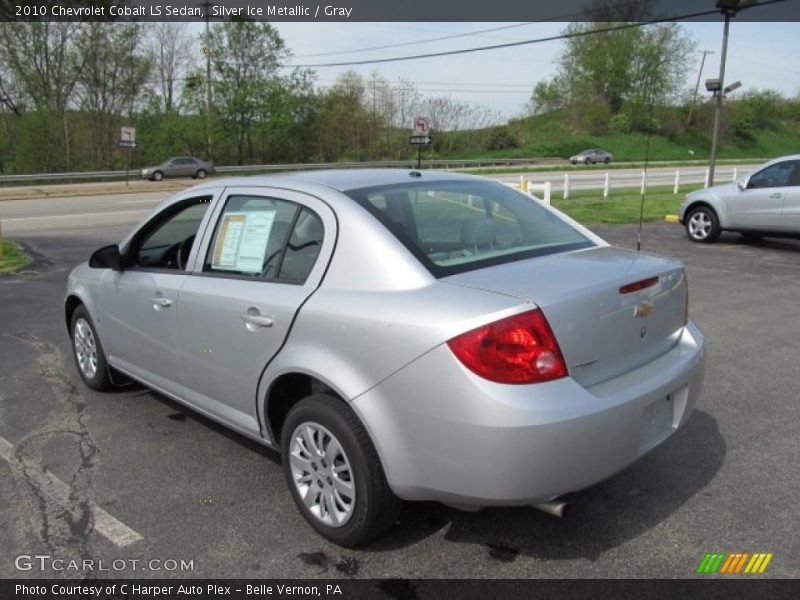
{"points": [[265, 238], [460, 226], [167, 242], [777, 175]]}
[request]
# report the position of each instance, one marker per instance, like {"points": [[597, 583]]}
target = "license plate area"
{"points": [[660, 419]]}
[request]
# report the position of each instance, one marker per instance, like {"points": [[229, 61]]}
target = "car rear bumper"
{"points": [[445, 434]]}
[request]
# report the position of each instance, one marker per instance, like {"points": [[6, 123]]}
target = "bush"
{"points": [[620, 123], [501, 139]]}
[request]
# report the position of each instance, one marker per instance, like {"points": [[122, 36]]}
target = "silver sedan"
{"points": [[180, 166], [767, 202], [396, 335]]}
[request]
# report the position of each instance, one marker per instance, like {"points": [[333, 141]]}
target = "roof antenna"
{"points": [[646, 163]]}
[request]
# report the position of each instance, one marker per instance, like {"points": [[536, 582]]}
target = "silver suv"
{"points": [[767, 202]]}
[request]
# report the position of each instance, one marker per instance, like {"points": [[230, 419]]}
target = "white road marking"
{"points": [[109, 213], [113, 530]]}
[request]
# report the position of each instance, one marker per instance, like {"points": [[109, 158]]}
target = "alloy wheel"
{"points": [[85, 348], [322, 474], [700, 225]]}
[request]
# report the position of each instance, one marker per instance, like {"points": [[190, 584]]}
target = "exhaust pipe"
{"points": [[554, 507]]}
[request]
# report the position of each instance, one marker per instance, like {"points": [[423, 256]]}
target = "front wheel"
{"points": [[158, 176], [702, 225], [334, 473], [201, 174], [88, 351]]}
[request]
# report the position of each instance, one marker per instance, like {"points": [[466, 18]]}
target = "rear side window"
{"points": [[265, 238], [459, 226]]}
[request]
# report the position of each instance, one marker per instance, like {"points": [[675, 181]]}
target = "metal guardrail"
{"points": [[406, 164], [443, 163]]}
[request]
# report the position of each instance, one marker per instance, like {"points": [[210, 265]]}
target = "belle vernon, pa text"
{"points": [[169, 10], [212, 589]]}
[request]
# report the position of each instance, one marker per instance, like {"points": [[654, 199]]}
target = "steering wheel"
{"points": [[184, 250]]}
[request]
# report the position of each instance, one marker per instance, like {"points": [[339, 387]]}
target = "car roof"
{"points": [[344, 180]]}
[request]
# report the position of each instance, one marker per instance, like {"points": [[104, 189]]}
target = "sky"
{"points": [[760, 55]]}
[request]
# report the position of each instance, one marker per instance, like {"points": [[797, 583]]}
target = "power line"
{"points": [[551, 38], [414, 43], [565, 17]]}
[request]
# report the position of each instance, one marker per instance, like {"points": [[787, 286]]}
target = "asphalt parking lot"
{"points": [[132, 475]]}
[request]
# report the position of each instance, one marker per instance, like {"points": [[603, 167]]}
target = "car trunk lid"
{"points": [[610, 309]]}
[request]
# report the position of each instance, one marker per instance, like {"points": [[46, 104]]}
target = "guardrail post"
{"points": [[522, 186], [677, 181], [705, 180], [605, 186], [735, 174], [566, 186], [644, 182]]}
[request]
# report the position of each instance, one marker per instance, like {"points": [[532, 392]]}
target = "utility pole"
{"points": [[718, 96], [207, 12], [728, 8], [697, 86]]}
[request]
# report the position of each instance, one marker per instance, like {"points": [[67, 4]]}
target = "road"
{"points": [[67, 213], [132, 475]]}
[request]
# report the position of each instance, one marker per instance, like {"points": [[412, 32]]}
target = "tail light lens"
{"points": [[518, 349]]}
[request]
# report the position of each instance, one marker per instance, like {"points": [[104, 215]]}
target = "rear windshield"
{"points": [[456, 226]]}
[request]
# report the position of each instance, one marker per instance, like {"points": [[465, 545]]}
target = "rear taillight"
{"points": [[518, 349]]}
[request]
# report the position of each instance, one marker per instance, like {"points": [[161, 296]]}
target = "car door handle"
{"points": [[253, 321], [776, 195], [159, 303]]}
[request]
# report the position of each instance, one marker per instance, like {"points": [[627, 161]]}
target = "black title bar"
{"points": [[392, 10]]}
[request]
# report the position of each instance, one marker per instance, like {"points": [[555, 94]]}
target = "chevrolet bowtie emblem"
{"points": [[644, 309]]}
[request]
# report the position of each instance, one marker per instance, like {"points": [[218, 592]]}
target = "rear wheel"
{"points": [[702, 225], [334, 473], [606, 160], [88, 351]]}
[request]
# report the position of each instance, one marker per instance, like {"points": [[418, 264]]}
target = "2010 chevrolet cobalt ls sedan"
{"points": [[396, 335]]}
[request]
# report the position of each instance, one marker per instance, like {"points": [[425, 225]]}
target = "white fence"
{"points": [[609, 180]]}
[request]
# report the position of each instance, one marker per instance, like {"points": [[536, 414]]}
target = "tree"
{"points": [[620, 69], [39, 60], [245, 60], [113, 68], [172, 55]]}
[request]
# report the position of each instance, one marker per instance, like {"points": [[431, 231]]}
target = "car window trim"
{"points": [[134, 245]]}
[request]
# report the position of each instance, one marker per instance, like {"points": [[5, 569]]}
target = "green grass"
{"points": [[552, 135], [621, 206], [610, 167], [13, 257]]}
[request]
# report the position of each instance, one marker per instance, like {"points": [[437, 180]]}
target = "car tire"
{"points": [[606, 160], [323, 438], [90, 359], [157, 176], [589, 161], [574, 162], [702, 225], [201, 174]]}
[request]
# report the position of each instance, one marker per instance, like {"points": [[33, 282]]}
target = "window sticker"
{"points": [[242, 241]]}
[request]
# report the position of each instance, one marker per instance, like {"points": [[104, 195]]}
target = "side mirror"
{"points": [[107, 257], [742, 183]]}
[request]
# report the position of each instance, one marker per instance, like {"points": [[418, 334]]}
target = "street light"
{"points": [[728, 8]]}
